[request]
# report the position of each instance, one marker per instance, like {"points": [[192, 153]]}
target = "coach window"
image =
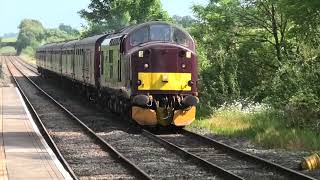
{"points": [[111, 63], [111, 72], [110, 56], [106, 57]]}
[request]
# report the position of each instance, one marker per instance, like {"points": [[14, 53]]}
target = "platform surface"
{"points": [[24, 154]]}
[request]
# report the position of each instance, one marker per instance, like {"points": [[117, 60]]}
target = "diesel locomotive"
{"points": [[148, 71]]}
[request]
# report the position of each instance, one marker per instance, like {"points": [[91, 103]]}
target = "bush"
{"points": [[29, 51], [296, 91], [303, 110]]}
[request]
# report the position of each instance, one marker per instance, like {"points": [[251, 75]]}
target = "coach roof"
{"points": [[91, 40]]}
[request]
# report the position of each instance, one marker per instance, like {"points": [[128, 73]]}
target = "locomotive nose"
{"points": [[166, 59], [165, 67]]}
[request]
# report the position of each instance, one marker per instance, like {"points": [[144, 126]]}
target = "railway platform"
{"points": [[24, 154]]}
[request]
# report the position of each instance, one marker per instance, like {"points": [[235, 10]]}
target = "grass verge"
{"points": [[9, 39], [28, 58], [7, 50], [265, 127]]}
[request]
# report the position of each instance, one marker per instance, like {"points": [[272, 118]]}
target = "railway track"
{"points": [[242, 164], [87, 155], [214, 155], [150, 156], [27, 65]]}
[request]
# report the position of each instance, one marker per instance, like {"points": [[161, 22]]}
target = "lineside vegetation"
{"points": [[262, 125]]}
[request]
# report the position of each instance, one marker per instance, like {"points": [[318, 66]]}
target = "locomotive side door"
{"points": [[111, 65]]}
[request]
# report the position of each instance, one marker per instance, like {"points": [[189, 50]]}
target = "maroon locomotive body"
{"points": [[148, 71]]}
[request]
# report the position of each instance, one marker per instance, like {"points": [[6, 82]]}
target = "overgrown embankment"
{"points": [[262, 125]]}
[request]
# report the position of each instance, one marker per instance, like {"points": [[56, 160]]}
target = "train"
{"points": [[147, 71]]}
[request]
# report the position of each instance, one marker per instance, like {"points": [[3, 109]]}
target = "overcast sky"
{"points": [[53, 12]]}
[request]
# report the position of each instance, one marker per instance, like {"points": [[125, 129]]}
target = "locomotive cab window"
{"points": [[140, 36], [180, 37], [160, 32]]}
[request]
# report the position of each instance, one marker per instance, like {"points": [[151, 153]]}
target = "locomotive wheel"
{"points": [[121, 107], [109, 105], [112, 105], [117, 105]]}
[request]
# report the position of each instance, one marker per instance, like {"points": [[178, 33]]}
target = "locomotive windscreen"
{"points": [[159, 32]]}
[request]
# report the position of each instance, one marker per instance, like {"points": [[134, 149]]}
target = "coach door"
{"points": [[86, 65]]}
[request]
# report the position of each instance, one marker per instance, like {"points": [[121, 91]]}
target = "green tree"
{"points": [[108, 15], [215, 32], [57, 35], [31, 31], [184, 21], [244, 41], [261, 50], [69, 30], [306, 14], [32, 34]]}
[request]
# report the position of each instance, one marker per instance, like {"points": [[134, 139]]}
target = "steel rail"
{"points": [[248, 157], [204, 163], [26, 63], [135, 169]]}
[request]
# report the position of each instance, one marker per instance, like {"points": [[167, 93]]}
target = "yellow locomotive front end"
{"points": [[164, 75]]}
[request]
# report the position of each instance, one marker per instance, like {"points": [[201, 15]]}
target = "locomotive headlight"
{"points": [[139, 83], [190, 83], [146, 66], [165, 78], [188, 54], [183, 66], [141, 54]]}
